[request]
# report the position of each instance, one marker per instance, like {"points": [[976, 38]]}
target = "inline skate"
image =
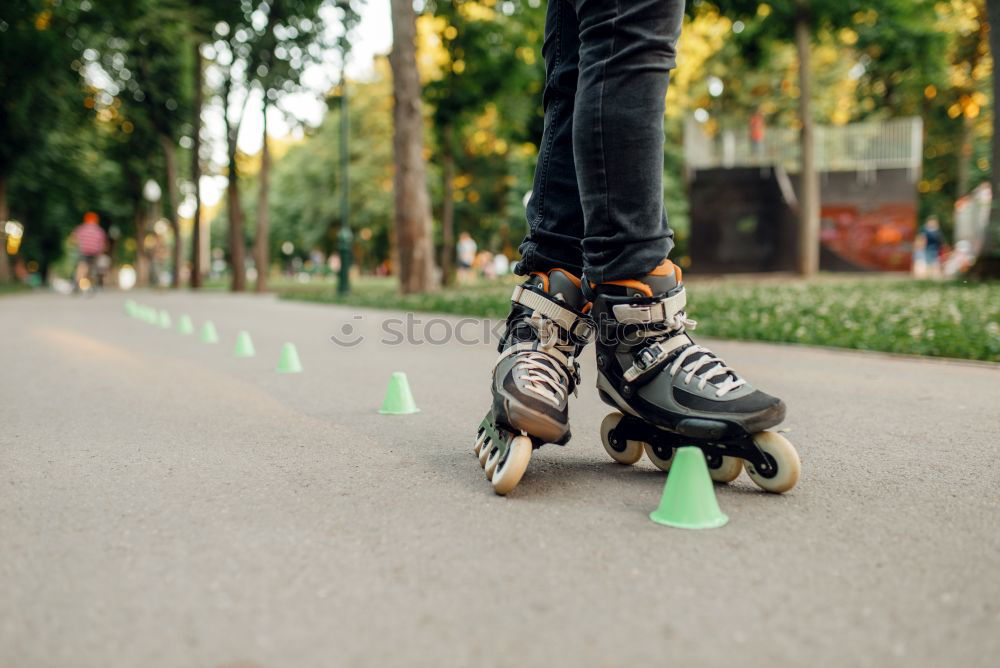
{"points": [[534, 375], [673, 392]]}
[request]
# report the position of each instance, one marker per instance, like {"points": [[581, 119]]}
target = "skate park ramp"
{"points": [[744, 195], [745, 219]]}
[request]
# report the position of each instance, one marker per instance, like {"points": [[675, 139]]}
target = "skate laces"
{"points": [[700, 361], [541, 376], [545, 365], [703, 363]]}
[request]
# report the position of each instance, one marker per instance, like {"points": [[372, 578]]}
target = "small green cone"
{"points": [[398, 398], [164, 320], [130, 307], [244, 346], [208, 333], [184, 325], [688, 497], [288, 361], [149, 315]]}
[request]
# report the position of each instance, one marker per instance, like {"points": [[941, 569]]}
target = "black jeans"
{"points": [[596, 206]]}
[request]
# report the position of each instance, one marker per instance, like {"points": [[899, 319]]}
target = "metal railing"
{"points": [[867, 146]]}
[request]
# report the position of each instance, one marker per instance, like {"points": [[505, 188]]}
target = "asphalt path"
{"points": [[163, 503]]}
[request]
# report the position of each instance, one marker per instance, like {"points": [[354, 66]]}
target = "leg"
{"points": [[547, 327], [627, 49], [555, 217], [671, 390]]}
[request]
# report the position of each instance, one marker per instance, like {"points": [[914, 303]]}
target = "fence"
{"points": [[862, 147]]}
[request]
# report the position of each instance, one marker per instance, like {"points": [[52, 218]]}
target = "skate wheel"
{"points": [[785, 459], [491, 463], [727, 471], [633, 449], [484, 451], [480, 439], [659, 462], [507, 475]]}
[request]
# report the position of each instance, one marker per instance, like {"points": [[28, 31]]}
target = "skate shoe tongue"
{"points": [[663, 279], [565, 287]]}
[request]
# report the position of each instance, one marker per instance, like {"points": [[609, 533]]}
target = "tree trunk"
{"points": [[261, 245], [964, 167], [173, 195], [412, 202], [988, 262], [808, 260], [237, 244], [196, 258], [447, 208], [4, 215], [139, 216]]}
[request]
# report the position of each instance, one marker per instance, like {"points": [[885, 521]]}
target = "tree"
{"points": [[198, 78], [263, 46], [988, 263], [148, 60], [490, 61], [33, 97], [412, 202], [307, 189], [278, 57]]}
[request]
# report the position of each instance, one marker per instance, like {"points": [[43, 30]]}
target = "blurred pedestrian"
{"points": [[757, 134], [501, 264], [91, 242], [919, 256], [933, 242], [465, 250]]}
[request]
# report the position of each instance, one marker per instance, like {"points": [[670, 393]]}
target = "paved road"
{"points": [[164, 504]]}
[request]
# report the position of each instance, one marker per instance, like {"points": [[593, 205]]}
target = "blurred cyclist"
{"points": [[91, 242]]}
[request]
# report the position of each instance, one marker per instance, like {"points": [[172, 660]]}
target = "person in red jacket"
{"points": [[91, 243]]}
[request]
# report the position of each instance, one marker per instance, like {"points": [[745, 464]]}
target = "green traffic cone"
{"points": [[244, 346], [149, 315], [208, 333], [164, 320], [688, 500], [288, 361], [184, 325], [130, 307], [398, 398]]}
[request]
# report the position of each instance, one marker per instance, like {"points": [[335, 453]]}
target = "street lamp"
{"points": [[14, 231], [151, 191]]}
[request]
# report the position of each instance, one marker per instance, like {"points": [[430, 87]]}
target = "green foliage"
{"points": [[902, 316], [485, 108], [37, 82], [305, 188]]}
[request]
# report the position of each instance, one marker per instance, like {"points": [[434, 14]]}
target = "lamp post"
{"points": [[151, 193], [345, 236]]}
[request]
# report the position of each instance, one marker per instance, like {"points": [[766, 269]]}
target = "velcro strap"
{"points": [[651, 357], [647, 314], [565, 318]]}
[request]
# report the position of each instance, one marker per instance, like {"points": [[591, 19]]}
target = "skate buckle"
{"points": [[584, 330], [645, 360]]}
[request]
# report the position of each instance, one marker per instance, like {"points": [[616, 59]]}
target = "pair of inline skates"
{"points": [[667, 390]]}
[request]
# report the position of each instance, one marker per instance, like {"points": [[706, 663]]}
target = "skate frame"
{"points": [[716, 440]]}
